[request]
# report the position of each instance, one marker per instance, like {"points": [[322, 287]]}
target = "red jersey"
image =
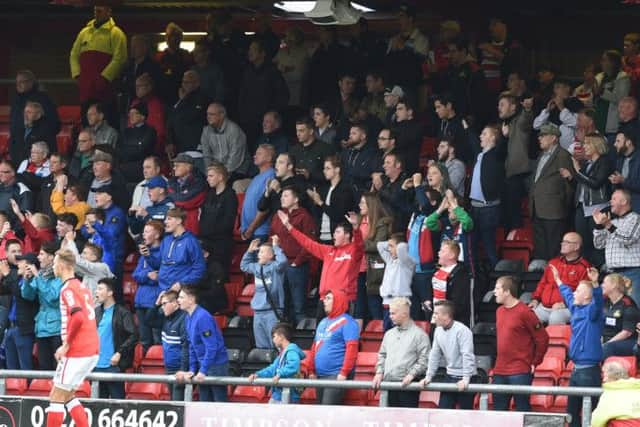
{"points": [[75, 296], [571, 273]]}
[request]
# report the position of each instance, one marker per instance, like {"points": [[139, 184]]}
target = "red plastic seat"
{"points": [[243, 302], [138, 355], [131, 261], [129, 288], [424, 325], [153, 361], [355, 397], [629, 362], [559, 352], [16, 386], [84, 390], [69, 113], [249, 394], [222, 321], [429, 399], [144, 391], [560, 402], [366, 363], [371, 337], [309, 396], [233, 290], [541, 402], [39, 387], [551, 367], [559, 335]]}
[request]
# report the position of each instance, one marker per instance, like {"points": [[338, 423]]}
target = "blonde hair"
{"points": [[622, 283], [598, 142], [400, 302], [453, 246], [66, 257]]}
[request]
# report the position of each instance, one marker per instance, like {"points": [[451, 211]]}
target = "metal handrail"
{"points": [[483, 389]]}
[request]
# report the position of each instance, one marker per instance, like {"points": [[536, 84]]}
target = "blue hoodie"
{"points": [[286, 365], [181, 261], [148, 289], [274, 276], [110, 236], [587, 322], [206, 346]]}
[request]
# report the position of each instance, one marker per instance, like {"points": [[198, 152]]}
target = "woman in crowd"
{"points": [[593, 191], [621, 315], [375, 226], [334, 200]]}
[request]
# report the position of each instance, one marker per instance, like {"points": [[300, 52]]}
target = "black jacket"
{"points": [[50, 120], [186, 119], [136, 143], [597, 188], [397, 201], [454, 130], [408, 142], [312, 158], [468, 87], [25, 310], [125, 333], [20, 143], [492, 171], [262, 89], [271, 203], [357, 167], [342, 201], [217, 219], [459, 291]]}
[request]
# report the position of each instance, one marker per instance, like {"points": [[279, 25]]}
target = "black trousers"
{"points": [[547, 235], [404, 399]]}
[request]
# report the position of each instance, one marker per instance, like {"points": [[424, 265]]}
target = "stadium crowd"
{"points": [[372, 178]]}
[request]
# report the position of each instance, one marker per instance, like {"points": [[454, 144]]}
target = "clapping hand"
{"points": [[314, 196], [593, 274], [352, 217], [556, 274], [601, 218]]}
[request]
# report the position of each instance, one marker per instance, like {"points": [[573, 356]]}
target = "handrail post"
{"points": [[484, 401], [188, 392], [286, 395], [95, 389], [384, 398], [586, 411]]}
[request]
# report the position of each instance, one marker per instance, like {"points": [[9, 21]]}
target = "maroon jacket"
{"points": [[302, 220]]}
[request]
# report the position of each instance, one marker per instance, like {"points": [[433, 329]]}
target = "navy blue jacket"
{"points": [[206, 346], [587, 322], [181, 261], [175, 342], [357, 167], [148, 289], [157, 211]]}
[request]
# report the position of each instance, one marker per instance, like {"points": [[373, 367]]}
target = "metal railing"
{"points": [[286, 384]]}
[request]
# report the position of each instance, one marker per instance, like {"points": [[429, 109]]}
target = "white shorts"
{"points": [[71, 371]]}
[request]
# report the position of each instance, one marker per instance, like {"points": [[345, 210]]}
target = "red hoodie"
{"points": [[340, 265], [571, 273]]}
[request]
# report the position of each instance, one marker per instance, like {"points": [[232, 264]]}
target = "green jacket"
{"points": [[619, 401]]}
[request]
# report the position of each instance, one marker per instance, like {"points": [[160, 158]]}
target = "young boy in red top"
{"points": [[340, 262], [522, 343], [78, 354]]}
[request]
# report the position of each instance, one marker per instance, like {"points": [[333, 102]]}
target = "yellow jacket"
{"points": [[99, 50], [79, 209], [619, 401]]}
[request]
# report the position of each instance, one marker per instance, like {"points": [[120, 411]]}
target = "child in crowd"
{"points": [[398, 273], [269, 268], [286, 365], [37, 228]]}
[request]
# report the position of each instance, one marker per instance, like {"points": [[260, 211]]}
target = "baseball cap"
{"points": [[395, 91], [30, 258], [156, 182], [550, 129], [183, 158]]}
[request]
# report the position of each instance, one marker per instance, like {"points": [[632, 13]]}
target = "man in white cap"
{"points": [[391, 98]]}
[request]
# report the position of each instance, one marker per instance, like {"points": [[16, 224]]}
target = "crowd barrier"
{"points": [[171, 411]]}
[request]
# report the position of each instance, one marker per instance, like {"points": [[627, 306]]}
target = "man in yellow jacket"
{"points": [[619, 404], [97, 56]]}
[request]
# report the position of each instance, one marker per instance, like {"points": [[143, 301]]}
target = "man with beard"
{"points": [[627, 173], [452, 126], [285, 167], [456, 167], [359, 160]]}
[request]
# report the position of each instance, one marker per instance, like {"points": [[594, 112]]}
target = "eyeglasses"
{"points": [[569, 242]]}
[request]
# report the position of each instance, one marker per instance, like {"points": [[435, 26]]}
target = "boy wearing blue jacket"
{"points": [[585, 349], [268, 267], [207, 353], [286, 365]]}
